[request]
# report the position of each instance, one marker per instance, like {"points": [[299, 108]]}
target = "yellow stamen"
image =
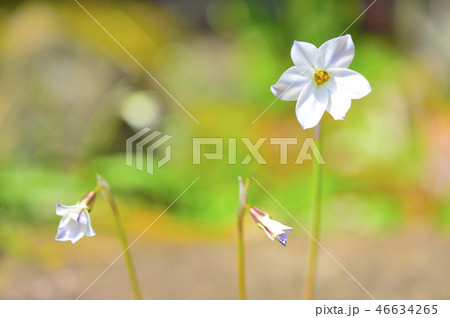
{"points": [[320, 77]]}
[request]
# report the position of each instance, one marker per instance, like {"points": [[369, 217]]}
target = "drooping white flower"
{"points": [[321, 80], [75, 221], [273, 229]]}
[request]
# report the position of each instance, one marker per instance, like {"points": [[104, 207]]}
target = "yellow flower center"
{"points": [[321, 77]]}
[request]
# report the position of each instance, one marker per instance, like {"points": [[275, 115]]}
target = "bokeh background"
{"points": [[70, 97]]}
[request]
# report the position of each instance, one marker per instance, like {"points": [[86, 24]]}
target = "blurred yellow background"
{"points": [[70, 96]]}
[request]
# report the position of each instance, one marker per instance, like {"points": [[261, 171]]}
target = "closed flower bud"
{"points": [[273, 229]]}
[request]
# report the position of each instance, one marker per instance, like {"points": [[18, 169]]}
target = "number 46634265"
{"points": [[412, 309]]}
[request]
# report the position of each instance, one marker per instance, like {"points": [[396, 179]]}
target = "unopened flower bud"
{"points": [[273, 229]]}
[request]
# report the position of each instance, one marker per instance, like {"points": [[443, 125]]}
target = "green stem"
{"points": [[240, 238], [123, 239], [241, 260], [315, 222]]}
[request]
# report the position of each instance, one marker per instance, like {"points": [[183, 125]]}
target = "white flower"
{"points": [[321, 80], [273, 229], [75, 222]]}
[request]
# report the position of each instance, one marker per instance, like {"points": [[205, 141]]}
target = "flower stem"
{"points": [[315, 221], [131, 272], [241, 260], [240, 238]]}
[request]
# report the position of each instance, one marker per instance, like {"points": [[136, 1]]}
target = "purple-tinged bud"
{"points": [[88, 200], [273, 229]]}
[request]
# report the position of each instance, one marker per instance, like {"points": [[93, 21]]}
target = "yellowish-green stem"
{"points": [[241, 260], [240, 241], [129, 263], [315, 222]]}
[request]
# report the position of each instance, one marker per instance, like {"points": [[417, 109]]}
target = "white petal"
{"points": [[303, 54], [272, 225], [85, 223], [90, 231], [64, 220], [336, 53], [311, 105], [282, 238], [76, 238], [350, 83], [278, 230], [69, 210], [75, 231], [62, 209], [321, 94], [289, 85], [269, 235], [83, 218], [68, 229], [72, 229], [275, 227], [257, 214], [71, 226], [338, 105], [331, 85], [269, 226], [61, 235]]}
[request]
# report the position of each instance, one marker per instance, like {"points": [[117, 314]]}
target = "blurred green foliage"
{"points": [[64, 83]]}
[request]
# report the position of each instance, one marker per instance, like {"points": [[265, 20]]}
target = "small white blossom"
{"points": [[75, 222], [273, 229], [321, 80]]}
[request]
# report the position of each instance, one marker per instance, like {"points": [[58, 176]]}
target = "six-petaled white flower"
{"points": [[321, 80], [273, 229], [75, 221]]}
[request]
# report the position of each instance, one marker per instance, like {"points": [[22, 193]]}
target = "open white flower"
{"points": [[273, 229], [321, 80], [75, 221]]}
